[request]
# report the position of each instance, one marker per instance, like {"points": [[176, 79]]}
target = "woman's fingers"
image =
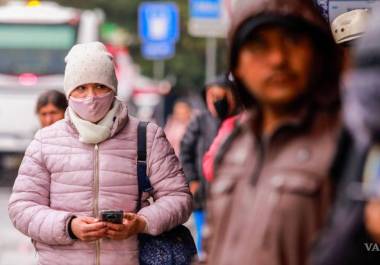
{"points": [[117, 235], [88, 219], [94, 235], [93, 227], [118, 231], [90, 229], [129, 216], [116, 227], [112, 233]]}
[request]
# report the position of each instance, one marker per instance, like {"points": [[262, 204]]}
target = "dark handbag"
{"points": [[174, 247]]}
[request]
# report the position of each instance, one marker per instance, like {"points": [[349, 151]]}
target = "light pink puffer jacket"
{"points": [[61, 177]]}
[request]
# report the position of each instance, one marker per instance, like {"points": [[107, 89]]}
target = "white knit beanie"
{"points": [[89, 63]]}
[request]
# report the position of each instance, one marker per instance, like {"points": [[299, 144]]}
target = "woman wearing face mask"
{"points": [[199, 135], [86, 163]]}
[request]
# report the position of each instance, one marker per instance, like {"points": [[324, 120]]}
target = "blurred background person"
{"points": [[198, 137], [177, 123], [271, 191], [353, 226], [225, 129], [51, 107]]}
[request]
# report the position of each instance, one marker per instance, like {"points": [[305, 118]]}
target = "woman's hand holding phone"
{"points": [[132, 224], [88, 228]]}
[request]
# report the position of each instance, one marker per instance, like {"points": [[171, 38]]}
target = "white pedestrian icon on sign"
{"points": [[158, 24]]}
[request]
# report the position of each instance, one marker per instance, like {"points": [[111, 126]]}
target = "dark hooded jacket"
{"points": [[199, 135], [271, 193]]}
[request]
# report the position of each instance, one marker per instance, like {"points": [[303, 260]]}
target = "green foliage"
{"points": [[188, 65]]}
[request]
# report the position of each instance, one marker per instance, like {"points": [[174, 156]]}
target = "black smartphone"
{"points": [[112, 216]]}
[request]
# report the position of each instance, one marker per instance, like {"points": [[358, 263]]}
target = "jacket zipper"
{"points": [[96, 197], [261, 152]]}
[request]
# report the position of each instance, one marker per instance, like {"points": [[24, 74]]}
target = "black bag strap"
{"points": [[142, 178]]}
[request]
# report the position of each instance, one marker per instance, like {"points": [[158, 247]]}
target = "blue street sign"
{"points": [[158, 50], [158, 22], [205, 9]]}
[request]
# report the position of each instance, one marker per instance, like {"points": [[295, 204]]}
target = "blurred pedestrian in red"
{"points": [[199, 135], [271, 191], [224, 130], [51, 107], [209, 158]]}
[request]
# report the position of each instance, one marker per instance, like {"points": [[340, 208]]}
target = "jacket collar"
{"points": [[299, 120]]}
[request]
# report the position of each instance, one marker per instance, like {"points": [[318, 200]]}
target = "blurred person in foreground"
{"points": [[271, 191], [199, 135], [353, 228], [86, 163], [51, 106], [177, 123]]}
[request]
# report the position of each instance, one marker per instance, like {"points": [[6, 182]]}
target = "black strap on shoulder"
{"points": [[141, 141], [142, 177]]}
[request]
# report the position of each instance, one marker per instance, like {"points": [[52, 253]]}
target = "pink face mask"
{"points": [[94, 108]]}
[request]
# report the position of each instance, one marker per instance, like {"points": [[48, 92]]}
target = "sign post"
{"points": [[208, 19]]}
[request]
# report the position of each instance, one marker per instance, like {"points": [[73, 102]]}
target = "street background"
{"points": [[15, 248], [30, 65]]}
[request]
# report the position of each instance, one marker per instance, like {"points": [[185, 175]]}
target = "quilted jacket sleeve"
{"points": [[172, 199], [29, 203]]}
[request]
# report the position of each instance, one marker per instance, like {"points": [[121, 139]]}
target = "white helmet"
{"points": [[350, 25]]}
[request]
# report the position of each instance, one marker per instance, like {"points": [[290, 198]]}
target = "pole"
{"points": [[158, 74], [159, 69], [211, 50]]}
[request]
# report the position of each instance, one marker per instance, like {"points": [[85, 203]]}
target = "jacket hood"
{"points": [[304, 9], [298, 15], [221, 81]]}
